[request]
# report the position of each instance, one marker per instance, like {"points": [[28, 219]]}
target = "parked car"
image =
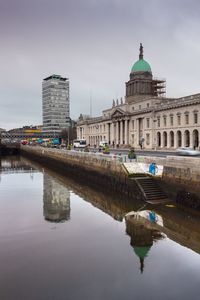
{"points": [[187, 151]]}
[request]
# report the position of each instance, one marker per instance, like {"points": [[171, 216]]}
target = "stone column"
{"points": [[121, 132], [126, 132], [113, 132], [117, 132], [191, 139], [167, 139], [108, 132], [161, 140], [175, 140], [137, 131]]}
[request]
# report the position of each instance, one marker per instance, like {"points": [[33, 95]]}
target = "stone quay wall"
{"points": [[184, 171], [96, 170], [180, 178]]}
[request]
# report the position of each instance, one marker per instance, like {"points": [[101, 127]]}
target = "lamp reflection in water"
{"points": [[56, 199], [143, 235]]}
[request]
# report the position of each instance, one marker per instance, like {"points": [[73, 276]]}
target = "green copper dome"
{"points": [[142, 252], [141, 66]]}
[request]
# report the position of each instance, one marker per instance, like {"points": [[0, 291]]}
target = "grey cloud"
{"points": [[94, 43]]}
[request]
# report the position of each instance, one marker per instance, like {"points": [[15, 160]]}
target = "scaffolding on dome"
{"points": [[159, 87]]}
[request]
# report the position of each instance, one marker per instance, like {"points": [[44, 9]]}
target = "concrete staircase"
{"points": [[151, 190]]}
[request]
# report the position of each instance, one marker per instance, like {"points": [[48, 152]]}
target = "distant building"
{"points": [[55, 103], [146, 118]]}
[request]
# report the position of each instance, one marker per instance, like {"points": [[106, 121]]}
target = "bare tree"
{"points": [[68, 135]]}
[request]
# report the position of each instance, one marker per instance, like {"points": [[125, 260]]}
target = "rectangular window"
{"points": [[140, 106], [148, 105], [147, 122], [158, 122], [179, 120], [186, 119], [133, 124], [195, 118], [171, 121], [165, 121]]}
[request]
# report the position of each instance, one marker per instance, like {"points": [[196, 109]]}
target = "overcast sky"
{"points": [[94, 43]]}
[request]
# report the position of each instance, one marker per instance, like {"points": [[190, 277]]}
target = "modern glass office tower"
{"points": [[55, 103]]}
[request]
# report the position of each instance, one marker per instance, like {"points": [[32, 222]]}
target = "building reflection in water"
{"points": [[16, 164], [56, 199], [143, 235]]}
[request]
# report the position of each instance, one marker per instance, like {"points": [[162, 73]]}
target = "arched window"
{"points": [[158, 139], [171, 134], [195, 138], [165, 139], [187, 138], [179, 138]]}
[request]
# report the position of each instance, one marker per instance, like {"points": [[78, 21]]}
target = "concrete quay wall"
{"points": [[184, 171], [95, 170], [180, 178]]}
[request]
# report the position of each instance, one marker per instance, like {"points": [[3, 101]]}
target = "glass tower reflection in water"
{"points": [[56, 199]]}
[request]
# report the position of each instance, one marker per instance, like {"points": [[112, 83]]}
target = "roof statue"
{"points": [[113, 103], [141, 51], [117, 102], [121, 100]]}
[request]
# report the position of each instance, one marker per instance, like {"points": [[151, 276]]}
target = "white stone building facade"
{"points": [[145, 118]]}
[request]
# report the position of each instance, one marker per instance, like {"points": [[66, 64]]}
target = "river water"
{"points": [[62, 240]]}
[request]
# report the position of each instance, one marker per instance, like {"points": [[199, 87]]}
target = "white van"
{"points": [[80, 143]]}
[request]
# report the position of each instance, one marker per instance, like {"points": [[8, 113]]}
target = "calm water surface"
{"points": [[65, 241]]}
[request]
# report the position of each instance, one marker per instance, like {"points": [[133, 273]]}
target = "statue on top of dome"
{"points": [[141, 51]]}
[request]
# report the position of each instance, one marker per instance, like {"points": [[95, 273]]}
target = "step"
{"points": [[151, 191], [158, 201], [159, 197], [155, 195]]}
